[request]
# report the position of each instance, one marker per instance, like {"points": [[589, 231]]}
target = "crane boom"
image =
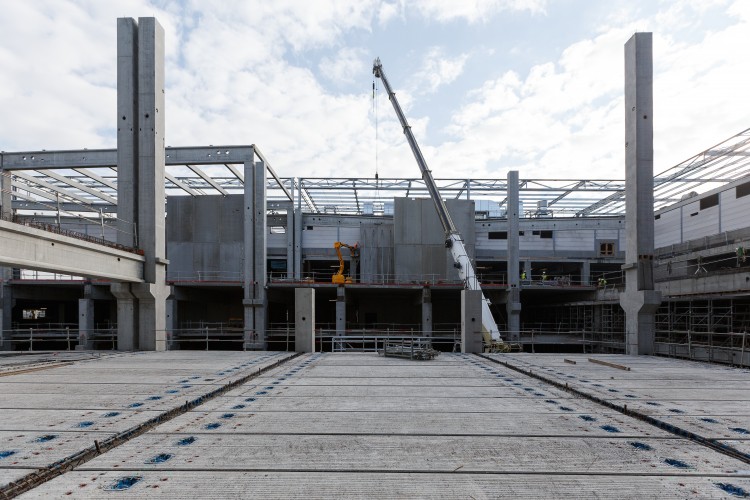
{"points": [[453, 240]]}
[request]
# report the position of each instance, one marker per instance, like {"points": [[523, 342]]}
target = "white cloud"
{"points": [[346, 66], [474, 11], [438, 70]]}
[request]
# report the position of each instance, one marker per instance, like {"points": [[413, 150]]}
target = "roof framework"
{"points": [[82, 182]]}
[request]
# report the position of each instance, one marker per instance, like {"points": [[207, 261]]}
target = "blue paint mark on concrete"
{"points": [[46, 438], [550, 401], [111, 414], [135, 405], [6, 453], [249, 400], [676, 410], [238, 407], [640, 446], [710, 420], [125, 483], [84, 424], [733, 490], [587, 418], [739, 430], [653, 403], [610, 428], [676, 463], [159, 459], [260, 393], [186, 441], [172, 391], [212, 426], [227, 415], [154, 398], [565, 408]]}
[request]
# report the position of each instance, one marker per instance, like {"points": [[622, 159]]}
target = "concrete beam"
{"points": [[31, 248], [85, 323]]}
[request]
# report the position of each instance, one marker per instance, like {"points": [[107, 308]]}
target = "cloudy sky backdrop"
{"points": [[488, 85]]}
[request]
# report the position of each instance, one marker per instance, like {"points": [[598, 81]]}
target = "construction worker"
{"points": [[740, 255], [602, 282], [544, 275], [523, 276]]}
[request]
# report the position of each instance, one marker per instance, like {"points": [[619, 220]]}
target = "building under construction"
{"points": [[109, 253]]}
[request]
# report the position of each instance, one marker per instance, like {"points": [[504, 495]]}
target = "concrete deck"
{"points": [[364, 426]]}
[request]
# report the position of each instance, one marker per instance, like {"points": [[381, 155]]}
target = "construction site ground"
{"points": [[193, 424]]}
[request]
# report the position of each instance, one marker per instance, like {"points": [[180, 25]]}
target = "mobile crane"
{"points": [[453, 241]]}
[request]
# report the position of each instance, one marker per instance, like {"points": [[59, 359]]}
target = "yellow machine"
{"points": [[339, 277]]}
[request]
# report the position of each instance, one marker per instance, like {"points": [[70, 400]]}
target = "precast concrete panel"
{"points": [[376, 253], [698, 223], [668, 228], [580, 240], [733, 210]]}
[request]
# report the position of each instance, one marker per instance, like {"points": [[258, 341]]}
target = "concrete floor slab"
{"points": [[365, 485], [322, 425]]}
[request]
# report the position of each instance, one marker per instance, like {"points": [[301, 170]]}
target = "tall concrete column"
{"points": [[140, 180], [304, 320], [471, 321], [426, 312], [640, 300], [513, 304], [6, 301], [152, 294], [254, 280], [340, 310]]}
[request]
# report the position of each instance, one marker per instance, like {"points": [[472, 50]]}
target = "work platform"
{"points": [[345, 425]]}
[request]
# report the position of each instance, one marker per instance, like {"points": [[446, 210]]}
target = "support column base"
{"points": [[640, 320]]}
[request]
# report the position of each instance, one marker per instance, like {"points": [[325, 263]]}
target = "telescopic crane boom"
{"points": [[453, 241]]}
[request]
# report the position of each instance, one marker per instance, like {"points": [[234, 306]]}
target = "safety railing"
{"points": [[205, 276], [718, 347], [60, 337], [208, 337]]}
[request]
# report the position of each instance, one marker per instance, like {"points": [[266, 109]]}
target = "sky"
{"points": [[487, 85]]}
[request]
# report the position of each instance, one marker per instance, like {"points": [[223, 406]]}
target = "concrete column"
{"points": [[172, 320], [85, 322], [340, 310], [426, 312], [6, 302], [290, 255], [513, 304], [585, 273], [127, 317], [640, 300], [254, 280], [471, 321], [127, 130], [6, 309], [152, 313], [151, 295], [6, 198], [298, 237], [304, 320]]}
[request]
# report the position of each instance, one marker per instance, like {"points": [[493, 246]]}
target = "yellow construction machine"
{"points": [[339, 277]]}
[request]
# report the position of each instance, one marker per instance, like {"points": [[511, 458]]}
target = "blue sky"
{"points": [[488, 85]]}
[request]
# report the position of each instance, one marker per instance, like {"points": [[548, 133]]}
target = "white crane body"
{"points": [[453, 240]]}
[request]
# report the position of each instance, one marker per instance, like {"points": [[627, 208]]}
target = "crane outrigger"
{"points": [[453, 241]]}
